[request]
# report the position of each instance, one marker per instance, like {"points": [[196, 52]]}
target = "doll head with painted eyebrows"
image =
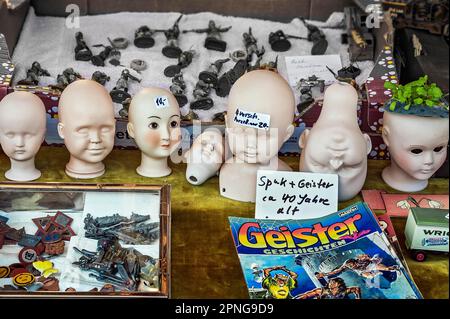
{"points": [[269, 96]]}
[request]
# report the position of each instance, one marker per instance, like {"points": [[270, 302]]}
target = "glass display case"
{"points": [[83, 240]]}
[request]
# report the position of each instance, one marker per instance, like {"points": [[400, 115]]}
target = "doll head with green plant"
{"points": [[415, 129]]}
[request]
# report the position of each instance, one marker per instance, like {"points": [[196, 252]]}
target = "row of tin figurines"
{"points": [[260, 116]]}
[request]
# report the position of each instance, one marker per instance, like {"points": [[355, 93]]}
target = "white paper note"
{"points": [[302, 67], [295, 195]]}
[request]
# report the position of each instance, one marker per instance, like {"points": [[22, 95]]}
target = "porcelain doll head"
{"points": [[335, 144], [205, 156], [418, 148], [87, 125], [154, 123], [260, 114], [22, 131]]}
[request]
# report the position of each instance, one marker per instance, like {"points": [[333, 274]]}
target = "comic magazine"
{"points": [[344, 255]]}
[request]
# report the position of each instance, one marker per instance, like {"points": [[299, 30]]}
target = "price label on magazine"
{"points": [[295, 195]]}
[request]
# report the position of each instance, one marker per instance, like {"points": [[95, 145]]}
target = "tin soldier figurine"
{"points": [[201, 93], [33, 74], [82, 52], [317, 37], [211, 75], [171, 50], [251, 45], [219, 117], [143, 37], [99, 59], [68, 76], [184, 60], [120, 92], [213, 40], [100, 77], [305, 87], [227, 79], [279, 41], [125, 108], [115, 56], [178, 89], [190, 116]]}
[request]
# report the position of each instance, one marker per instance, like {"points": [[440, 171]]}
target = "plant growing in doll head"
{"points": [[417, 98]]}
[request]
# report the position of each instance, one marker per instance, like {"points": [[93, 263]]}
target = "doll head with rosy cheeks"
{"points": [[262, 97], [154, 123], [87, 125], [22, 131]]}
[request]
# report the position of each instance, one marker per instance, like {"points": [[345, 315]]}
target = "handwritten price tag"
{"points": [[252, 119], [161, 102], [295, 195]]}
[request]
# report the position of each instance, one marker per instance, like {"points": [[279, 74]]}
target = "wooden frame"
{"points": [[164, 240]]}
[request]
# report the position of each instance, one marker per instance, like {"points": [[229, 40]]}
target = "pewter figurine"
{"points": [[143, 37], [100, 77], [213, 40], [251, 45], [211, 75], [99, 59], [227, 79], [171, 50], [178, 89], [120, 91], [190, 116], [68, 76], [317, 37], [201, 93], [82, 51], [123, 112], [33, 74], [184, 60]]}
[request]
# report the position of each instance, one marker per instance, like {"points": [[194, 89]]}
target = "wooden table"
{"points": [[204, 260]]}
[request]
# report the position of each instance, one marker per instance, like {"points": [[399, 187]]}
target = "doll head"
{"points": [[22, 131], [261, 110], [335, 144], [418, 148], [154, 123], [205, 156], [87, 125]]}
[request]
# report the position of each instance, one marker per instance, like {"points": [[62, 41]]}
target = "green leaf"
{"points": [[418, 101], [429, 103], [435, 92], [421, 91], [407, 106], [393, 105], [389, 85]]}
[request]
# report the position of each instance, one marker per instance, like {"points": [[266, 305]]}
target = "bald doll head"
{"points": [[86, 120], [154, 122], [22, 125], [261, 110]]}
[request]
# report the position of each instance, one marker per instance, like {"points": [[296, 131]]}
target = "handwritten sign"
{"points": [[295, 195], [302, 67], [161, 102], [252, 119]]}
